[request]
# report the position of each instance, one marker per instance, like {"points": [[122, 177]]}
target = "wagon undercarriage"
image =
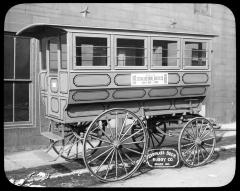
{"points": [[115, 143]]}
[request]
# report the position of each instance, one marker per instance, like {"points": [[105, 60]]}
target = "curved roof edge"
{"points": [[39, 30]]}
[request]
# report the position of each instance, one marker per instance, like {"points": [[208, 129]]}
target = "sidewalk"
{"points": [[29, 159]]}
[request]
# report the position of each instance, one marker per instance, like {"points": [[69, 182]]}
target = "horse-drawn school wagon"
{"points": [[110, 94]]}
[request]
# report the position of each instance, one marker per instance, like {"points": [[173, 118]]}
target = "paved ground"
{"points": [[64, 174]]}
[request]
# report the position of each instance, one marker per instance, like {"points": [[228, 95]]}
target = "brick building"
{"points": [[23, 109]]}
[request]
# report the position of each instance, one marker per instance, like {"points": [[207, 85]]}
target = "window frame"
{"points": [[90, 35], [207, 41], [31, 82], [134, 37], [179, 53]]}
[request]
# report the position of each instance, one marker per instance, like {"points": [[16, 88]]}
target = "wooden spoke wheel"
{"points": [[196, 142], [116, 158], [72, 144], [155, 137]]}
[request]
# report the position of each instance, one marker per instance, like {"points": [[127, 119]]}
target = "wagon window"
{"points": [[130, 52], [53, 55], [165, 53], [91, 51], [63, 41], [43, 53], [195, 54]]}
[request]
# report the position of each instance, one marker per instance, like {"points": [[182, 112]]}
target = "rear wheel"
{"points": [[72, 144], [116, 158], [196, 142]]}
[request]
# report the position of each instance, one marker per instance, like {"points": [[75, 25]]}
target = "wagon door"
{"points": [[52, 77]]}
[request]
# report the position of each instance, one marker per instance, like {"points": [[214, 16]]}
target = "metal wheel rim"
{"points": [[111, 152], [197, 145]]}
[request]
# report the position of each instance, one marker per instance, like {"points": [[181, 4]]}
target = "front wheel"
{"points": [[196, 142], [117, 158]]}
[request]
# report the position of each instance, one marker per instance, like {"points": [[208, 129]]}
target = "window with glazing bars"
{"points": [[195, 54], [165, 53], [91, 51], [130, 52], [17, 79]]}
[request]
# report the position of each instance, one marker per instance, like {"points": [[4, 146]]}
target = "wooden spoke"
{"points": [[122, 161], [100, 139], [116, 120], [128, 130], [185, 138], [206, 144], [93, 148], [189, 134], [156, 139], [205, 134], [133, 142], [187, 145], [100, 155], [208, 139], [110, 162], [188, 149], [126, 155], [123, 125], [130, 136], [104, 161], [133, 150]]}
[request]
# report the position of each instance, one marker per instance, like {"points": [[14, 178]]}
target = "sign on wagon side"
{"points": [[149, 78], [162, 158]]}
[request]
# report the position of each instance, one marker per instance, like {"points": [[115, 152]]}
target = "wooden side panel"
{"points": [[195, 78], [88, 95], [129, 93], [90, 80], [157, 104], [63, 82], [84, 110], [193, 91], [163, 92]]}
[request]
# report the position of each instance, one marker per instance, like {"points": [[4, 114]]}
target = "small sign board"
{"points": [[150, 78], [162, 158]]}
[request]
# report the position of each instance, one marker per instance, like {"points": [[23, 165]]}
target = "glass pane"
{"points": [[53, 55], [8, 102], [43, 52], [164, 53], [91, 51], [21, 107], [130, 52], [195, 53], [22, 63], [8, 57], [63, 52]]}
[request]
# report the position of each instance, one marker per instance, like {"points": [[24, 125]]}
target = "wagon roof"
{"points": [[40, 30]]}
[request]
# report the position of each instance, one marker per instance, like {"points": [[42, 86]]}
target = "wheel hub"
{"points": [[198, 141], [116, 143]]}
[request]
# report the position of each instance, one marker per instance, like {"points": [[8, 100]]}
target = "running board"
{"points": [[51, 136]]}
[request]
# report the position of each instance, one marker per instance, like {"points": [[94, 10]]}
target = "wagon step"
{"points": [[51, 136]]}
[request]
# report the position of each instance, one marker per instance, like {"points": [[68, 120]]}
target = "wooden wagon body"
{"points": [[95, 80]]}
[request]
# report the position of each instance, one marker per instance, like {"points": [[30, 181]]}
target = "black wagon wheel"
{"points": [[155, 137], [72, 144], [116, 158], [196, 142]]}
